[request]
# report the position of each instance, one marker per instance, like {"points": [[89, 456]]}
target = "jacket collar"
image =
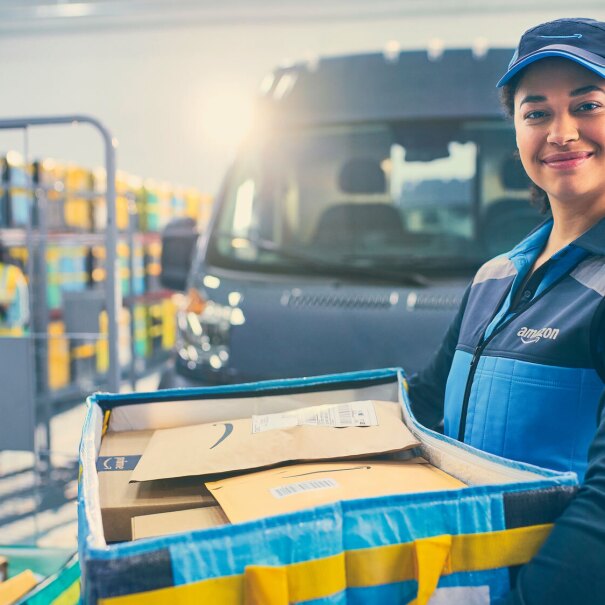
{"points": [[536, 240], [593, 240]]}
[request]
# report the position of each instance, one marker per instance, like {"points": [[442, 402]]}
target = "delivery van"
{"points": [[355, 214]]}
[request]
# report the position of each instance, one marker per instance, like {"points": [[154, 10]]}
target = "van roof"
{"points": [[370, 87]]}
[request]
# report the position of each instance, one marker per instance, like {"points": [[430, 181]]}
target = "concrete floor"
{"points": [[38, 510]]}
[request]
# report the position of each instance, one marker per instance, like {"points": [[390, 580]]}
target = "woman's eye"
{"points": [[589, 106], [535, 115]]}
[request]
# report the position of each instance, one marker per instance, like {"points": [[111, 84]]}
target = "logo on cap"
{"points": [[561, 37]]}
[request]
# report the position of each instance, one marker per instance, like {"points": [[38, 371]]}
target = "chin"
{"points": [[573, 195]]}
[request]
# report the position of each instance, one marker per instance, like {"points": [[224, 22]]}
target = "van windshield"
{"points": [[401, 196]]}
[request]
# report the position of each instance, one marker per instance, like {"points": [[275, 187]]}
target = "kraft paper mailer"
{"points": [[261, 441], [290, 488]]}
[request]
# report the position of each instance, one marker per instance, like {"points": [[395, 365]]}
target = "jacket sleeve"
{"points": [[427, 387], [569, 567]]}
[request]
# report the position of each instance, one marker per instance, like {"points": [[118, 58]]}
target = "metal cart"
{"points": [[27, 406]]}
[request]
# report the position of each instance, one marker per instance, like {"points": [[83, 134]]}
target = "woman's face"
{"points": [[560, 128]]}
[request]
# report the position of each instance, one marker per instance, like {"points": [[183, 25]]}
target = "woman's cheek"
{"points": [[527, 164]]}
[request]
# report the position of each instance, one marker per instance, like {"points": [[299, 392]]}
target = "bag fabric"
{"points": [[60, 588], [460, 546]]}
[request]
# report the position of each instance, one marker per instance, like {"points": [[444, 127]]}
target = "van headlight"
{"points": [[205, 329]]}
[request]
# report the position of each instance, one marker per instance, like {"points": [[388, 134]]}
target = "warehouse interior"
{"points": [[119, 119]]}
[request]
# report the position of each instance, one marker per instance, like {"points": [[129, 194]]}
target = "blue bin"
{"points": [[462, 546]]}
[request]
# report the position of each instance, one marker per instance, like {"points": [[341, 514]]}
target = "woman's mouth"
{"points": [[566, 160]]}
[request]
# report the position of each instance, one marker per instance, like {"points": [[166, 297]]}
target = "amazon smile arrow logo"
{"points": [[228, 430], [530, 335]]}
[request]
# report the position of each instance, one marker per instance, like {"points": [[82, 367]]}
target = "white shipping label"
{"points": [[303, 486], [268, 422], [355, 413], [461, 595]]}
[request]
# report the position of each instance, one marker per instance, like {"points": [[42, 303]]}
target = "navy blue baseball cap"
{"points": [[580, 40]]}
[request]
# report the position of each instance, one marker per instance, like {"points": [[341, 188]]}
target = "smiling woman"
{"points": [[560, 125], [522, 368]]}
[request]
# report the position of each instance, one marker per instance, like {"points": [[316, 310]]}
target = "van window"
{"points": [[436, 196], [390, 195]]}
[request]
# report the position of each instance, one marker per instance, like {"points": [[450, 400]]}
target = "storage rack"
{"points": [[36, 240], [83, 277], [56, 214], [75, 275]]}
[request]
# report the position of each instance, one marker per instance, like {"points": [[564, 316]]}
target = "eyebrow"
{"points": [[578, 92], [533, 99]]}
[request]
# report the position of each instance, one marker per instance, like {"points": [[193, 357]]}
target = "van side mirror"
{"points": [[179, 238]]}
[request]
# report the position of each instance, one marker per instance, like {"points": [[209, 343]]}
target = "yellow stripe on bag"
{"points": [[326, 575], [478, 552], [305, 581], [264, 584], [432, 555], [71, 596], [364, 568], [469, 552]]}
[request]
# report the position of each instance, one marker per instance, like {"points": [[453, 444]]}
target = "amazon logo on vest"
{"points": [[530, 335]]}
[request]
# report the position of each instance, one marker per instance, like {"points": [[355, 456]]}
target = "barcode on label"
{"points": [[355, 413], [345, 415], [303, 486]]}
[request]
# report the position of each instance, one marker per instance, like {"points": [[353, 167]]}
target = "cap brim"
{"points": [[588, 60]]}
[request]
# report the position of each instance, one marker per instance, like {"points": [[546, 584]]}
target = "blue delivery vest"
{"points": [[525, 382]]}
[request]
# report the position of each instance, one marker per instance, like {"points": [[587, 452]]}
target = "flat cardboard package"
{"points": [[162, 524], [290, 488], [344, 430], [121, 500], [14, 588]]}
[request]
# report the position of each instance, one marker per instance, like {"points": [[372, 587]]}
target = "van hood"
{"points": [[266, 329]]}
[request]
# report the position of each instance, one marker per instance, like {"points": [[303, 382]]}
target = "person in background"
{"points": [[522, 368], [14, 298]]}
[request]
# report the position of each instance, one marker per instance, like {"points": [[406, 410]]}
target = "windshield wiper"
{"points": [[311, 261], [422, 262]]}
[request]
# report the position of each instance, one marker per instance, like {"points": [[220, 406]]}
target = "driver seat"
{"points": [[345, 225], [358, 221]]}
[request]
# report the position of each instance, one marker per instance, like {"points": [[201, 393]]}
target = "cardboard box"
{"points": [[512, 495], [291, 488], [162, 524], [121, 500], [345, 430]]}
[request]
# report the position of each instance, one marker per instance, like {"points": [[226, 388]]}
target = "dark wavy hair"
{"points": [[538, 196]]}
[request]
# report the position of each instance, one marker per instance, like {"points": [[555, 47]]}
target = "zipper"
{"points": [[472, 369], [475, 362], [483, 343], [469, 384], [461, 458]]}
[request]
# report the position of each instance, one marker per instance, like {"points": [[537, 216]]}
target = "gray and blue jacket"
{"points": [[521, 369]]}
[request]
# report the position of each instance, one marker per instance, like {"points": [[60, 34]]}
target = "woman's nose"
{"points": [[563, 130]]}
